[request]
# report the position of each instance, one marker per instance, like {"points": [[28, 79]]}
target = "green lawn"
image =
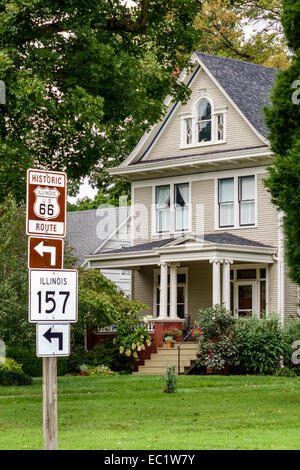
{"points": [[131, 412]]}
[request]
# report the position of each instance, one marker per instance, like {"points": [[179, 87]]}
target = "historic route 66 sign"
{"points": [[46, 203]]}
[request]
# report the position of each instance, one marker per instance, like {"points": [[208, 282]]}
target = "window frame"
{"points": [[245, 200], [236, 211], [172, 228], [192, 115]]}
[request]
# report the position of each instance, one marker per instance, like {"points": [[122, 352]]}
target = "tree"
{"points": [[84, 80], [248, 30], [283, 119], [100, 302]]}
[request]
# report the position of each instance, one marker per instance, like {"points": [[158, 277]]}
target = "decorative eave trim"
{"points": [[177, 162]]}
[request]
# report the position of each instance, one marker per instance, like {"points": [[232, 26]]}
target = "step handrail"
{"points": [[178, 349]]}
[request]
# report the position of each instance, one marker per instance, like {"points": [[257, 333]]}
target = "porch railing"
{"points": [[113, 328], [189, 337]]}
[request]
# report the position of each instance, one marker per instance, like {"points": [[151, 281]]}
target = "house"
{"points": [[204, 228], [99, 230]]}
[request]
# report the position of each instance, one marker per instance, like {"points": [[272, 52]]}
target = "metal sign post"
{"points": [[52, 290]]}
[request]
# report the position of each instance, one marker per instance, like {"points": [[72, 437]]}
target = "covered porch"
{"points": [[177, 277]]}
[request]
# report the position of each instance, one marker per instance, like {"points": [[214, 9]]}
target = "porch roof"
{"points": [[184, 249]]}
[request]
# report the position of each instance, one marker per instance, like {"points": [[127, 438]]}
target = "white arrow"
{"points": [[41, 249]]}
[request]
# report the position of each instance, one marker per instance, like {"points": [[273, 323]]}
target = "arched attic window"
{"points": [[204, 121], [204, 125]]}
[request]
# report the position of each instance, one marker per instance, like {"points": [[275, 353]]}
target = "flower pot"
{"points": [[83, 372], [169, 344]]}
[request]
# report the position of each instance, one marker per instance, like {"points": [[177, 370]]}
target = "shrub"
{"points": [[100, 371], [260, 344], [11, 373], [217, 346], [291, 333], [31, 364], [285, 372], [170, 380], [12, 377]]}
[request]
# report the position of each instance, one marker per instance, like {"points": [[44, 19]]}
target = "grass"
{"points": [[131, 412]]}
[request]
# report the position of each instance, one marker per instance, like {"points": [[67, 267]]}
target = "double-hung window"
{"points": [[163, 203], [172, 208], [181, 200], [236, 202], [246, 200], [226, 202]]}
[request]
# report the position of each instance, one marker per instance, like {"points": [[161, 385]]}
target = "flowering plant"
{"points": [[100, 370], [172, 333], [132, 336]]}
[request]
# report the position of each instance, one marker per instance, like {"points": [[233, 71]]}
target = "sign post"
{"points": [[52, 289]]}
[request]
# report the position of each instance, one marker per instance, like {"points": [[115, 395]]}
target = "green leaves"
{"points": [[78, 94]]}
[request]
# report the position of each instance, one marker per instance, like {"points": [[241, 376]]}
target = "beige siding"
{"points": [[273, 288], [291, 298], [203, 192], [142, 287], [199, 288], [142, 214], [239, 133]]}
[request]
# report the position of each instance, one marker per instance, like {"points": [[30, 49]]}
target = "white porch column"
{"points": [[173, 291], [216, 284], [226, 284], [163, 305]]}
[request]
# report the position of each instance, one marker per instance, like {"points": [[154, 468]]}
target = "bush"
{"points": [[285, 372], [260, 344], [31, 364], [100, 371], [12, 377], [291, 333], [242, 346], [107, 354], [217, 346], [11, 373]]}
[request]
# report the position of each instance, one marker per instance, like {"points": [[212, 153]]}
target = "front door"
{"points": [[245, 298]]}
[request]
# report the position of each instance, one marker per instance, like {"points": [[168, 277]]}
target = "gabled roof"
{"points": [[246, 85], [249, 85], [85, 233]]}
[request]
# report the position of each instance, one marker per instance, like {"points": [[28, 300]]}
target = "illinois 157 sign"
{"points": [[46, 203]]}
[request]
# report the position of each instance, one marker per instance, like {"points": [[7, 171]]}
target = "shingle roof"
{"points": [[85, 231], [218, 238], [248, 85]]}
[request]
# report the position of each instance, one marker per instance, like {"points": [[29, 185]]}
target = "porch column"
{"points": [[226, 283], [163, 305], [216, 281], [173, 291]]}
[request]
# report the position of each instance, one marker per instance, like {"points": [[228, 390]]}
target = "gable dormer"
{"points": [[222, 123]]}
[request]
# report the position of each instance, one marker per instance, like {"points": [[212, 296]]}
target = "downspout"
{"points": [[281, 269]]}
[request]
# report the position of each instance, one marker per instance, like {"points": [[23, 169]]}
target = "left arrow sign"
{"points": [[45, 253], [41, 249], [49, 335], [52, 339]]}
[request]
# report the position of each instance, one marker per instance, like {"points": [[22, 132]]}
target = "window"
{"points": [[181, 198], [220, 126], [204, 121], [204, 125], [246, 200], [189, 131], [236, 202], [226, 202], [172, 208], [163, 208]]}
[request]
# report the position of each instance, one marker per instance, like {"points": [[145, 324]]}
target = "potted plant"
{"points": [[83, 369], [170, 336]]}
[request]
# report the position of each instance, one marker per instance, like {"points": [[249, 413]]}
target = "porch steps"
{"points": [[164, 358]]}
